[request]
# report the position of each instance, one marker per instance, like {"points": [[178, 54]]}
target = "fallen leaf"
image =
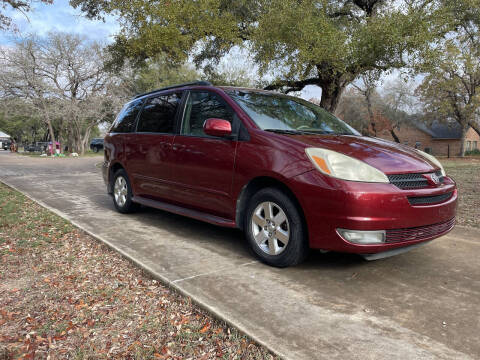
{"points": [[205, 328]]}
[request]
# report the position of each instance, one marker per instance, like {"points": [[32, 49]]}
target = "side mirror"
{"points": [[217, 127]]}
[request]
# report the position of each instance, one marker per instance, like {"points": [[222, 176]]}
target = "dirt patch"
{"points": [[466, 172]]}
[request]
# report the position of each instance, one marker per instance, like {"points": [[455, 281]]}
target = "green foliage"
{"points": [[23, 124], [298, 43], [475, 152], [157, 73]]}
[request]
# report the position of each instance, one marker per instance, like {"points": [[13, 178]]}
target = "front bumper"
{"points": [[392, 252], [330, 204]]}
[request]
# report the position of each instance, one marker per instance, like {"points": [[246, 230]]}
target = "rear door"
{"points": [[203, 165], [149, 162], [120, 134]]}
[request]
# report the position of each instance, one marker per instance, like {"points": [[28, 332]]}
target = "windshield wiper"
{"points": [[304, 132], [339, 133], [285, 131]]}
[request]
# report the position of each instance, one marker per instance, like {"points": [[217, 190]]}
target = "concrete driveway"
{"points": [[424, 304]]}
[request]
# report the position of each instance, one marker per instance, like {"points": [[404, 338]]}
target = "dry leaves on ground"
{"points": [[65, 295]]}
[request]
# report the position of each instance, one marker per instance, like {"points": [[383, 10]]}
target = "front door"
{"points": [[203, 166]]}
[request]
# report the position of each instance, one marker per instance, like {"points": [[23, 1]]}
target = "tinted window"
{"points": [[279, 112], [125, 121], [158, 114], [202, 106]]}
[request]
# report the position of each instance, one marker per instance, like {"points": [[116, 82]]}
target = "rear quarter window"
{"points": [[158, 114], [126, 119]]}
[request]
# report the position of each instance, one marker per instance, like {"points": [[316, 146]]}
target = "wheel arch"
{"points": [[113, 169], [256, 184]]}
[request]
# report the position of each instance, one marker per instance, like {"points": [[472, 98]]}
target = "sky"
{"points": [[59, 17]]}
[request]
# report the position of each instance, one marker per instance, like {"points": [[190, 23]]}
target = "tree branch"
{"points": [[292, 85]]}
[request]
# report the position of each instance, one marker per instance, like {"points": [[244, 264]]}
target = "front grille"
{"points": [[427, 200], [419, 233], [411, 181]]}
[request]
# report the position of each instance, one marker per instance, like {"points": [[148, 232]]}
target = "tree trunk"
{"points": [[81, 148], [85, 139], [368, 98], [76, 138], [331, 93], [475, 125], [77, 144], [395, 137], [52, 134], [69, 139], [464, 135]]}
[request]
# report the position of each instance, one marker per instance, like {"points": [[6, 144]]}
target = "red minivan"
{"points": [[287, 172]]}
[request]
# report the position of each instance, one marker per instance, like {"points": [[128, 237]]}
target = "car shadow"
{"points": [[227, 240]]}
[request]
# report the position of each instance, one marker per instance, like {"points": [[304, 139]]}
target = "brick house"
{"points": [[438, 138]]}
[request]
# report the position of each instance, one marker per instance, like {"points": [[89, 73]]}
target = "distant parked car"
{"points": [[6, 144], [287, 172], [96, 144], [39, 146]]}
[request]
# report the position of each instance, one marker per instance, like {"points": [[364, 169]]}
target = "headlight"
{"points": [[344, 167], [433, 160]]}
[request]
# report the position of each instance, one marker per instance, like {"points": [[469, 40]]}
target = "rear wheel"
{"points": [[275, 228], [95, 149], [122, 193]]}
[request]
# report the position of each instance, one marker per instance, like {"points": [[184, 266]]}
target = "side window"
{"points": [[202, 106], [125, 121], [158, 114]]}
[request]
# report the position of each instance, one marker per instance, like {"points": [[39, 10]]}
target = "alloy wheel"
{"points": [[120, 191], [270, 228]]}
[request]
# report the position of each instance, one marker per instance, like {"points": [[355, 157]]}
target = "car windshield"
{"points": [[281, 113]]}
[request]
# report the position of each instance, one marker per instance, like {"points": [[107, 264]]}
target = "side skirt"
{"points": [[194, 214]]}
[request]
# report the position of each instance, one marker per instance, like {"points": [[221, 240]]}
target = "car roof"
{"points": [[246, 89]]}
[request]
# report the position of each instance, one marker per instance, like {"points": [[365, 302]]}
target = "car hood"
{"points": [[387, 156]]}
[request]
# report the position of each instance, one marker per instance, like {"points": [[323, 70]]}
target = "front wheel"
{"points": [[95, 149], [275, 228], [122, 193]]}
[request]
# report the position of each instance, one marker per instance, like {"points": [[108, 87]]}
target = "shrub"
{"points": [[473, 152]]}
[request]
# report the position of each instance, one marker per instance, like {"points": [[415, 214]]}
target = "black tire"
{"points": [[128, 206], [95, 149], [295, 251]]}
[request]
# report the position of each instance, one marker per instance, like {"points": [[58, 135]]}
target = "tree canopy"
{"points": [[62, 79], [451, 87], [296, 43]]}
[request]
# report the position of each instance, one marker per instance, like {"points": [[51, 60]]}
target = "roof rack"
{"points": [[204, 83]]}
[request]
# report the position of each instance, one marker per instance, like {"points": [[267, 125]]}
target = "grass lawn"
{"points": [[65, 295], [466, 172]]}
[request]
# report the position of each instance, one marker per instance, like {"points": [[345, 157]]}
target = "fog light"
{"points": [[363, 237]]}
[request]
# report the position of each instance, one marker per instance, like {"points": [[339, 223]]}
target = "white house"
{"points": [[3, 138]]}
